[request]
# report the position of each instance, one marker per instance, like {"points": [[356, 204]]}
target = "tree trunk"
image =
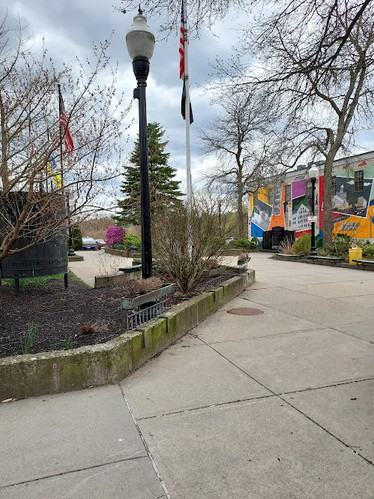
{"points": [[327, 202], [240, 213]]}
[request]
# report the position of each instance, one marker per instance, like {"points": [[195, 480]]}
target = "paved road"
{"points": [[273, 405]]}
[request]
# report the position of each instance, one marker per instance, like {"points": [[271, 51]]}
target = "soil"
{"points": [[53, 317]]}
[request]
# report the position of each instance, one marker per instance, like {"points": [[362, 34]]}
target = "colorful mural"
{"points": [[289, 205]]}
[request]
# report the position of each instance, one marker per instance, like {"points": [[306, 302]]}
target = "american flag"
{"points": [[181, 44], [69, 144]]}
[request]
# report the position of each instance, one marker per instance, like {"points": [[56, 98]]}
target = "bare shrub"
{"points": [[186, 239], [286, 247], [133, 287]]}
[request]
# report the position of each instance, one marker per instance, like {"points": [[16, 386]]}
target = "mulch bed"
{"points": [[61, 318]]}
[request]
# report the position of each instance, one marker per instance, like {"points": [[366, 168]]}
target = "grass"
{"points": [[29, 340], [41, 281], [38, 282]]}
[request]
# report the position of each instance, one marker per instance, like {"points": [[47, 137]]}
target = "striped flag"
{"points": [[181, 44], [69, 144]]}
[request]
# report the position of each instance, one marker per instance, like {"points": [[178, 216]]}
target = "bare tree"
{"points": [[245, 146], [202, 13], [34, 162], [317, 60]]}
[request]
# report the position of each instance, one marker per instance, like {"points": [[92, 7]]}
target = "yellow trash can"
{"points": [[355, 254]]}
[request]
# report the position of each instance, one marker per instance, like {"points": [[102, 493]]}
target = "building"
{"points": [[288, 204]]}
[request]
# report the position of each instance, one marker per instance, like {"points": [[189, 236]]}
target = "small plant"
{"points": [[286, 246], [243, 257], [302, 244], [28, 342], [134, 287], [67, 343], [323, 252], [114, 235], [212, 263]]}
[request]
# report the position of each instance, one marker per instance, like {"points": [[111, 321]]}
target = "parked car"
{"points": [[88, 243], [100, 243]]}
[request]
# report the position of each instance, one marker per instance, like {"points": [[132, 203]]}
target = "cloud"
{"points": [[69, 29]]}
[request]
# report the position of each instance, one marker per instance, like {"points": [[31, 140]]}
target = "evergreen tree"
{"points": [[164, 191]]}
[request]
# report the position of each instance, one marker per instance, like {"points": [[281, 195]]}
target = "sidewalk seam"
{"points": [[149, 454], [69, 472]]}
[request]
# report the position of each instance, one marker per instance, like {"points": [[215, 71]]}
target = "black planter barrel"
{"points": [[46, 258]]}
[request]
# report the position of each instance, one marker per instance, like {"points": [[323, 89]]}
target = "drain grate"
{"points": [[245, 311]]}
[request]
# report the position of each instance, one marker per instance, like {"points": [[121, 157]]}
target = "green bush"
{"points": [[368, 251], [302, 244], [132, 242], [340, 245], [76, 237], [245, 244], [119, 246]]}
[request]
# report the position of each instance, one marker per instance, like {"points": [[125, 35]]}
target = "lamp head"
{"points": [[140, 40], [313, 171]]}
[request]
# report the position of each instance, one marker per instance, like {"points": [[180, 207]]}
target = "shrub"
{"points": [[302, 245], [76, 237], [114, 235], [132, 242], [134, 287], [341, 245], [286, 246], [242, 243], [185, 239], [368, 251]]}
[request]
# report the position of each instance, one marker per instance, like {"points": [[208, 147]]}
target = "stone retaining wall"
{"points": [[29, 375]]}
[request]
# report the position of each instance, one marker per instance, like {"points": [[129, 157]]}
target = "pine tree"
{"points": [[164, 191]]}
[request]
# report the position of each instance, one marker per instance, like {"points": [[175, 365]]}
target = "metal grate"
{"points": [[139, 316], [217, 281]]}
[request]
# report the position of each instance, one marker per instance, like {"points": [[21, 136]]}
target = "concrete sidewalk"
{"points": [[276, 404], [98, 263]]}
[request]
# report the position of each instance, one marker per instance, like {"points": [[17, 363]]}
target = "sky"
{"points": [[70, 27]]}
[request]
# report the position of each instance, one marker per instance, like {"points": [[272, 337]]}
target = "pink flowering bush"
{"points": [[114, 235]]}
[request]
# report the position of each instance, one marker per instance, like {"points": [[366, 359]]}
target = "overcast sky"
{"points": [[69, 28]]}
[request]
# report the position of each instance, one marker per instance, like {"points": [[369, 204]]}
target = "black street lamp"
{"points": [[313, 175], [140, 43]]}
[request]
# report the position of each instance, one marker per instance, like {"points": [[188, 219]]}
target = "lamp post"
{"points": [[313, 175], [140, 43]]}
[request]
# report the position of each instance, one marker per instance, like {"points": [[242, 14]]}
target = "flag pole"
{"points": [[61, 137], [187, 106], [65, 192]]}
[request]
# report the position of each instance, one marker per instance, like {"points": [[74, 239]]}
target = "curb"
{"points": [[301, 259], [24, 376]]}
